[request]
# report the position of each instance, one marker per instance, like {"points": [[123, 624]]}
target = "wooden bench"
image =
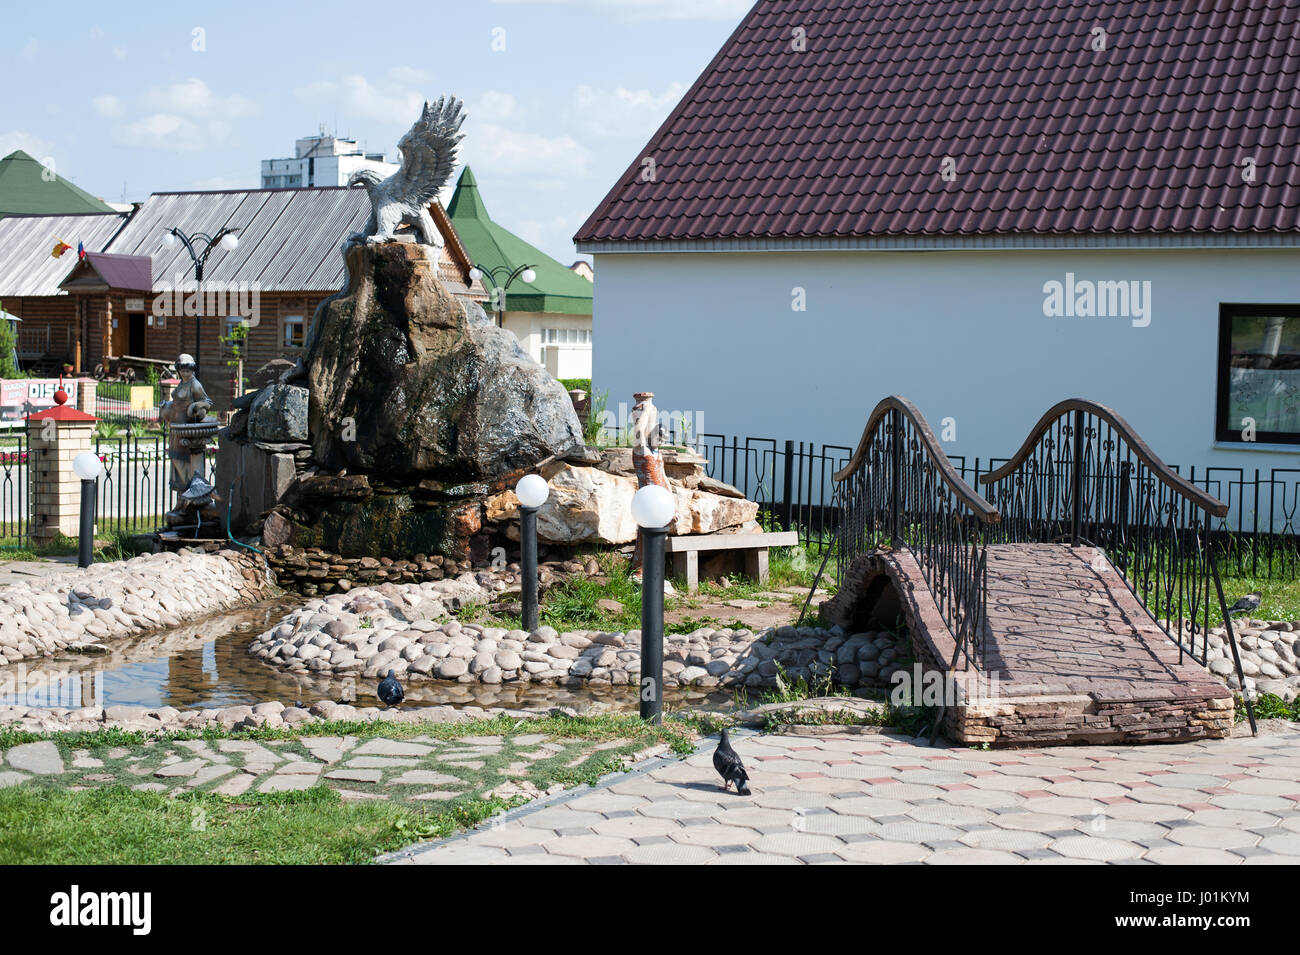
{"points": [[752, 548]]}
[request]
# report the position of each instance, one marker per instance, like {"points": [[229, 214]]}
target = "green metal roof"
{"points": [[23, 190], [556, 288]]}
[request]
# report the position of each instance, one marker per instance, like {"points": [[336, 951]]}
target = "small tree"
{"points": [[234, 341], [8, 355]]}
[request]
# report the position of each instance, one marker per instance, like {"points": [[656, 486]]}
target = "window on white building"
{"points": [[566, 336]]}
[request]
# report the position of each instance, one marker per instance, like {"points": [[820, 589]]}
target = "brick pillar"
{"points": [[54, 437], [86, 395]]}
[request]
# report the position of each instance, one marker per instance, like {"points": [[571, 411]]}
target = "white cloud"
{"points": [[407, 74], [625, 113], [493, 107], [119, 53], [107, 105], [387, 102], [193, 97], [161, 131], [507, 152], [34, 146], [650, 9], [29, 51]]}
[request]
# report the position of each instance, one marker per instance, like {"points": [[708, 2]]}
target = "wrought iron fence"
{"points": [[900, 489], [133, 492], [1259, 536], [16, 461]]}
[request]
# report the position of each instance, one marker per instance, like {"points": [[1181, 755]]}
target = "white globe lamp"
{"points": [[87, 466], [532, 490], [653, 507]]}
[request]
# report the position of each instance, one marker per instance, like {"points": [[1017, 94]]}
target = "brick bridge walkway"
{"points": [[1069, 655]]}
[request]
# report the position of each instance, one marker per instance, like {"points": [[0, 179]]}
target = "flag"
{"points": [[81, 251], [59, 248]]}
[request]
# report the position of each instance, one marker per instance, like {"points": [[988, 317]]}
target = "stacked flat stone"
{"points": [[406, 629], [312, 571], [85, 607]]}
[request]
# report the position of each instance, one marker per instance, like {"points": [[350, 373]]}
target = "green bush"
{"points": [[8, 342]]}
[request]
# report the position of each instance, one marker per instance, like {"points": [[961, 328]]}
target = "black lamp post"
{"points": [[532, 491], [86, 466], [483, 273], [653, 508], [227, 239]]}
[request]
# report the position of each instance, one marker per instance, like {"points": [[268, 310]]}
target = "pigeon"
{"points": [[390, 691], [727, 762], [1245, 605]]}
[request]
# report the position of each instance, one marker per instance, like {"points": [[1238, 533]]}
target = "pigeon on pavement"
{"points": [[727, 762], [1246, 604], [390, 691]]}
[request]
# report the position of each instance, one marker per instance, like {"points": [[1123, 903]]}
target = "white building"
{"points": [[985, 229], [322, 161]]}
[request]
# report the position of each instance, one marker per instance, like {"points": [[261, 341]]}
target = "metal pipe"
{"points": [[652, 624], [528, 565]]}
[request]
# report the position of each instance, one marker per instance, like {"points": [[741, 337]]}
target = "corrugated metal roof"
{"points": [[833, 118], [289, 239], [26, 266], [132, 273]]}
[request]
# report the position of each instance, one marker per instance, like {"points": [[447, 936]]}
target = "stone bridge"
{"points": [[1031, 610]]}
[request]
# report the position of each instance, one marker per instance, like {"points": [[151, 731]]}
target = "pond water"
{"points": [[206, 664]]}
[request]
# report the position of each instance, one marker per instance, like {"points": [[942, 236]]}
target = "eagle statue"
{"points": [[428, 158]]}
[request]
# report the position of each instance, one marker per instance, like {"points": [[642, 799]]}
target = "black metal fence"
{"points": [[791, 481], [133, 492], [16, 461]]}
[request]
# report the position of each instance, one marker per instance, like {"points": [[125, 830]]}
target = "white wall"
{"points": [[961, 333], [562, 361]]}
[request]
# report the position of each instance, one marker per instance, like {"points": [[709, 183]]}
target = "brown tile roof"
{"points": [[1047, 135]]}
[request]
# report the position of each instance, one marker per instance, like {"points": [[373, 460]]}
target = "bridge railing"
{"points": [[899, 489], [1084, 476]]}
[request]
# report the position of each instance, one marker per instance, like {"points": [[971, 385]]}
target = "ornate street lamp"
{"points": [[481, 273], [532, 491], [227, 240], [652, 508]]}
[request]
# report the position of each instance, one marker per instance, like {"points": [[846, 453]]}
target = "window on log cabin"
{"points": [[295, 331]]}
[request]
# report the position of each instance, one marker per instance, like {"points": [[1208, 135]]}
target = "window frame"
{"points": [[284, 329], [1224, 433]]}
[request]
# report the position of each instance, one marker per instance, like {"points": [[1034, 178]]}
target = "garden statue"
{"points": [[428, 159], [646, 459], [189, 426]]}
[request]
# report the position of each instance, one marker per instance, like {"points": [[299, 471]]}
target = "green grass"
{"points": [[571, 605], [114, 544], [597, 728], [1268, 706], [118, 826], [45, 822]]}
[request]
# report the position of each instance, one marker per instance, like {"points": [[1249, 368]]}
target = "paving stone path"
{"points": [[882, 799], [416, 770]]}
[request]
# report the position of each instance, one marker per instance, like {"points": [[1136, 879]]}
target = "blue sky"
{"points": [[119, 99]]}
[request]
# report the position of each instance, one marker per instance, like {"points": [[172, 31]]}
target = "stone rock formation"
{"points": [[416, 409], [594, 504], [278, 414], [412, 383]]}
